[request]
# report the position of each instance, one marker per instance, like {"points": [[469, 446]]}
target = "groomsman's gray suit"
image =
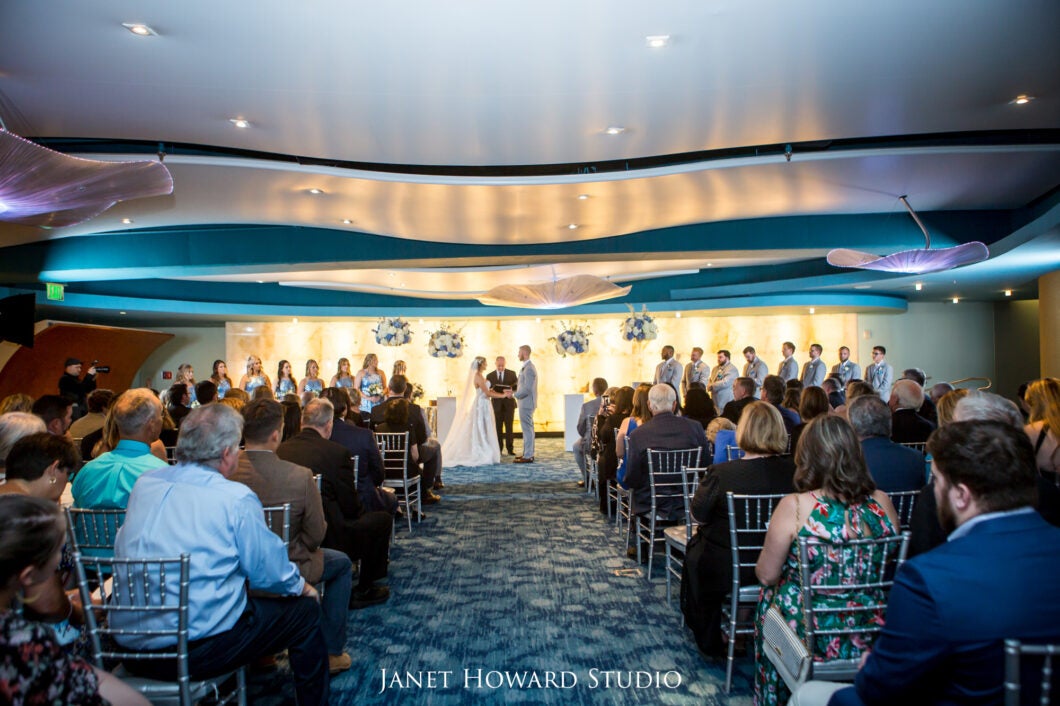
{"points": [[789, 369], [695, 372], [669, 371], [721, 379], [526, 394], [847, 371], [813, 373], [757, 371], [881, 377]]}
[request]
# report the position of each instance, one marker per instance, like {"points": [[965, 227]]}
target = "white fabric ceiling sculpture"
{"points": [[557, 294]]}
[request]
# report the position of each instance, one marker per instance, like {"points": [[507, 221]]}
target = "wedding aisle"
{"points": [[511, 578]]}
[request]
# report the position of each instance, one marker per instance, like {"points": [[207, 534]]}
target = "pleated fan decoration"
{"points": [[557, 294]]}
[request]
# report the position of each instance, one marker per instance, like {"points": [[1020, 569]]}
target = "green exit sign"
{"points": [[56, 292]]}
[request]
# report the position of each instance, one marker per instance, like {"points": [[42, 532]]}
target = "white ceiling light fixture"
{"points": [[1021, 99], [241, 123], [956, 300], [315, 191], [657, 41], [139, 29], [557, 294], [1008, 292], [126, 221], [346, 221], [919, 261], [919, 286], [572, 226], [614, 130], [583, 197]]}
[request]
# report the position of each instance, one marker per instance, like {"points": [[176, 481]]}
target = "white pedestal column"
{"points": [[446, 413], [572, 408]]}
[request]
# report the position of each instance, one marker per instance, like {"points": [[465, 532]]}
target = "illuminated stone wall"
{"points": [[620, 362]]}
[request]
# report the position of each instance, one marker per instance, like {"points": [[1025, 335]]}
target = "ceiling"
{"points": [[457, 146]]}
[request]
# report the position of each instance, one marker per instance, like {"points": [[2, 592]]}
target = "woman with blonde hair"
{"points": [[371, 381], [1043, 397], [400, 368], [255, 377], [186, 375], [312, 382], [947, 405], [641, 414], [342, 377], [17, 402]]}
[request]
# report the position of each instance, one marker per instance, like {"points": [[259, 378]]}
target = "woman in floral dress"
{"points": [[837, 501]]}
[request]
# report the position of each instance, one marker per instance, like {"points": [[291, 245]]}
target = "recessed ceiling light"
{"points": [[614, 130], [261, 281], [294, 320], [139, 29], [537, 320], [710, 264], [812, 310], [240, 122], [657, 41], [956, 300], [1021, 99], [1008, 292], [126, 221], [918, 286], [346, 221], [573, 226], [315, 191], [678, 314], [121, 313], [862, 286], [583, 197]]}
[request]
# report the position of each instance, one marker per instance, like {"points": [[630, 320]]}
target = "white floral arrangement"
{"points": [[392, 332], [375, 390], [572, 340], [639, 327], [417, 391], [446, 343]]}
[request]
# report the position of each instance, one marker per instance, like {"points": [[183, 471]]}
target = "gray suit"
{"points": [[526, 394], [789, 369], [881, 377], [757, 371], [813, 373], [721, 379], [697, 372], [847, 371], [669, 371]]}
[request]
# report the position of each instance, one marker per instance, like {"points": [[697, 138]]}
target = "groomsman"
{"points": [[527, 396], [846, 369], [813, 373], [789, 367], [696, 372], [756, 369], [722, 377], [880, 374], [669, 372], [503, 407]]}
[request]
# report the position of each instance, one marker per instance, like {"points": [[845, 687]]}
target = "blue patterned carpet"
{"points": [[514, 573]]}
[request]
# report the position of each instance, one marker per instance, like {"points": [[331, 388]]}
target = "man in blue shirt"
{"points": [[106, 481], [192, 508]]}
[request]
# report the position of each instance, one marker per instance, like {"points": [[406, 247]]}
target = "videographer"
{"points": [[75, 388]]}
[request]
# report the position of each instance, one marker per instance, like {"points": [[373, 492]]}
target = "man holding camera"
{"points": [[75, 388]]}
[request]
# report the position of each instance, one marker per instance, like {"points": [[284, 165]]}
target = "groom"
{"points": [[526, 394]]}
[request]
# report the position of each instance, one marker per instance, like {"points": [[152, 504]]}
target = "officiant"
{"points": [[500, 380]]}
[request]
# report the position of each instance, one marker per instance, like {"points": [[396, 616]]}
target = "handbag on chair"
{"points": [[781, 645]]}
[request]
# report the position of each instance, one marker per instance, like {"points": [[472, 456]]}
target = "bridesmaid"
{"points": [[221, 379], [400, 368], [186, 375], [284, 382], [255, 377], [312, 382], [369, 375], [342, 377]]}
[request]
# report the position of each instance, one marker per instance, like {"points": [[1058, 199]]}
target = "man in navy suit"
{"points": [[894, 467], [360, 442], [951, 609]]}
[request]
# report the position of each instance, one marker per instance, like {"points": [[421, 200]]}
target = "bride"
{"points": [[472, 440]]}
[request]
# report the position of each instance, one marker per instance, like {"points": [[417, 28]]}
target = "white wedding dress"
{"points": [[472, 440]]}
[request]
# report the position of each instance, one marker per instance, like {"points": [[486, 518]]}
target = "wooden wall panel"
{"points": [[36, 371]]}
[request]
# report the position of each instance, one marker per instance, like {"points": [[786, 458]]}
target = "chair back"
{"points": [[319, 478], [920, 446], [356, 461], [748, 520], [394, 448], [92, 532], [666, 474], [690, 476], [1029, 681], [904, 501], [844, 594], [278, 518], [733, 452]]}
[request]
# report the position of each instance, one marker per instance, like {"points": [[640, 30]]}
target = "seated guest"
{"points": [[792, 395], [835, 501], [277, 482], [641, 414], [231, 549], [664, 430], [36, 670], [812, 404], [707, 574], [698, 406], [946, 405], [292, 417], [206, 391], [16, 402], [98, 401], [1043, 398], [833, 387], [925, 524], [107, 480], [360, 442], [428, 450], [951, 610], [584, 440], [721, 433], [855, 389], [939, 390], [361, 535], [773, 392], [178, 403], [894, 467], [14, 426], [907, 426], [927, 410], [743, 392], [56, 411], [608, 425], [413, 393]]}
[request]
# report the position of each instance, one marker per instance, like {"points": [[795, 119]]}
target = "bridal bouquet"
{"points": [[639, 327], [392, 332], [375, 390], [445, 343], [572, 340]]}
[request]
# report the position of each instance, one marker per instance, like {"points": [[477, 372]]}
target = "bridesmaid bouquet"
{"points": [[445, 343], [392, 332], [639, 327], [375, 390], [572, 340]]}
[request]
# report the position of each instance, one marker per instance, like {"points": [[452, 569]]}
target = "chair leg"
{"points": [[241, 686], [408, 510], [651, 548], [730, 658], [669, 560]]}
